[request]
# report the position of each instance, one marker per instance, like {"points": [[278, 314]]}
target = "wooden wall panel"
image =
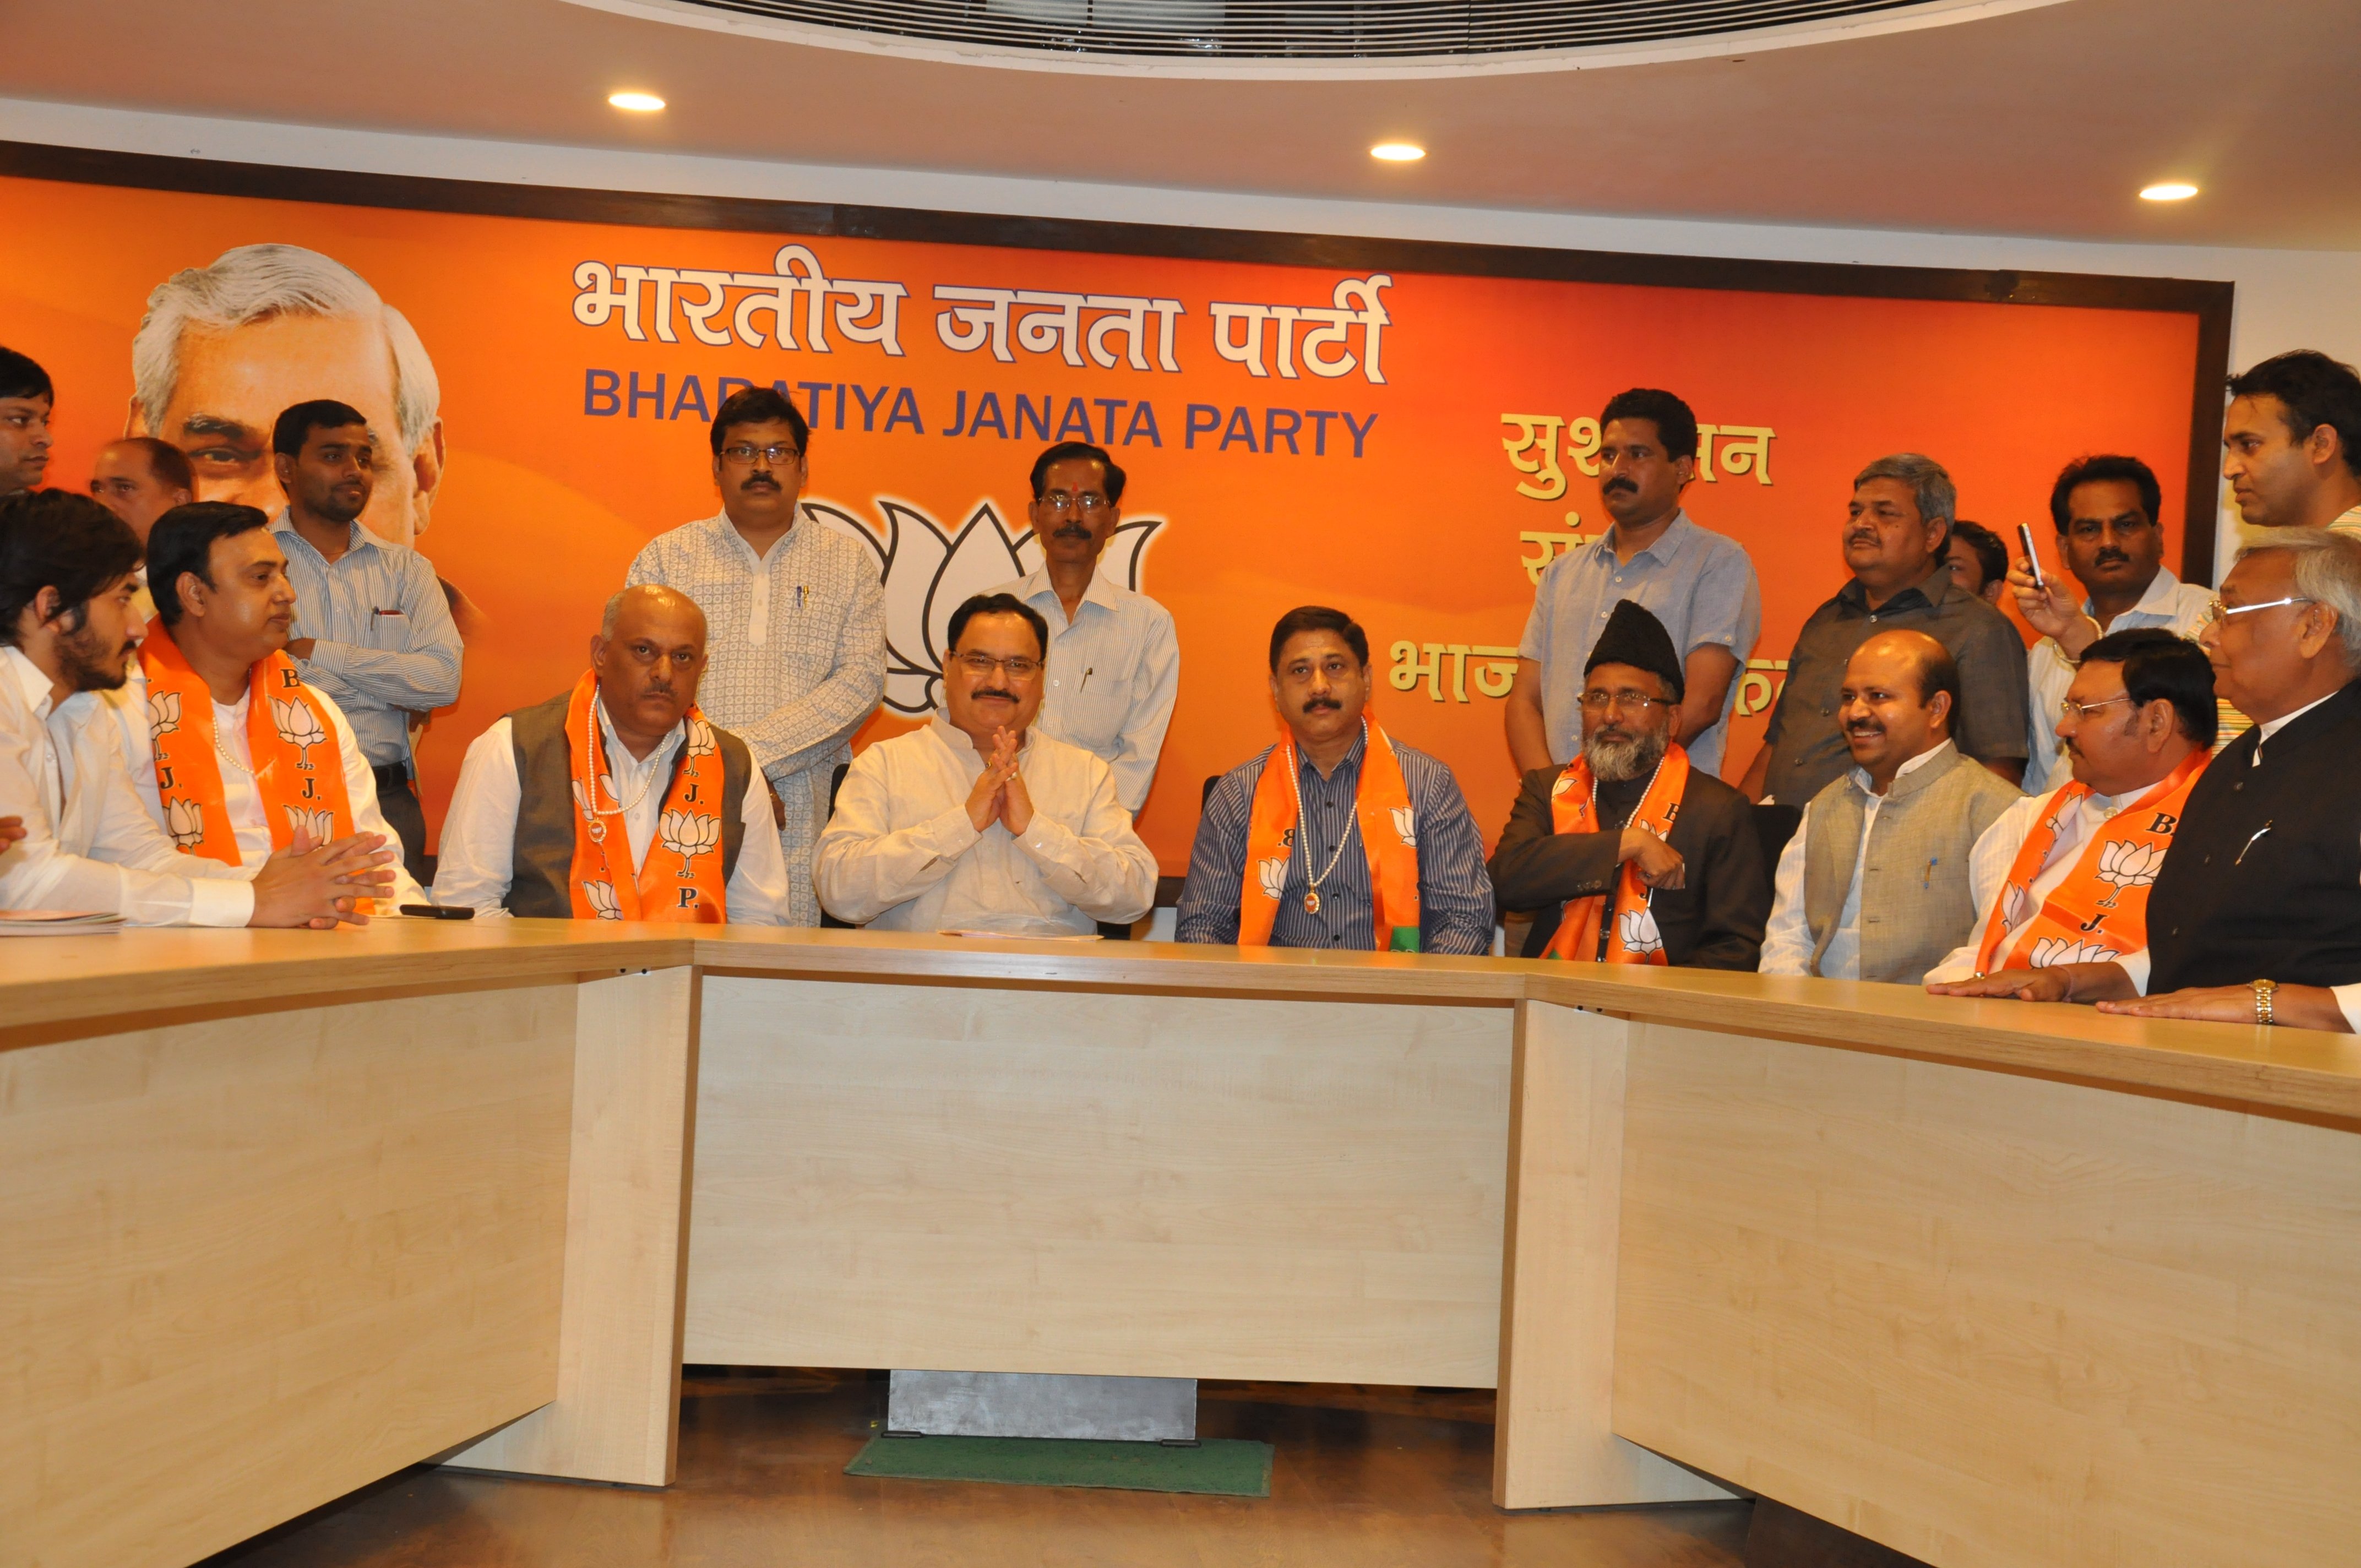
{"points": [[1990, 1319], [248, 1265], [1005, 1180]]}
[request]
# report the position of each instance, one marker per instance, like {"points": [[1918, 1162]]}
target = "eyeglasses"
{"points": [[982, 664], [2069, 708], [777, 456], [1599, 702], [2219, 614], [1088, 502]]}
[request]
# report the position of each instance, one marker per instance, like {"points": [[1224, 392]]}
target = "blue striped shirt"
{"points": [[1454, 891], [384, 645]]}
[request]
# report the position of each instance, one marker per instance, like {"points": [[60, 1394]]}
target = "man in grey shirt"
{"points": [[372, 627], [1698, 583], [1896, 545]]}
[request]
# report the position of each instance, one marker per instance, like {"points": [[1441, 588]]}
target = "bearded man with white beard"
{"points": [[1627, 854]]}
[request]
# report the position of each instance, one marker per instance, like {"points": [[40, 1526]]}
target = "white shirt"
{"points": [[244, 804], [1996, 851], [89, 843], [901, 855], [2178, 607], [478, 858], [1114, 672], [1787, 941]]}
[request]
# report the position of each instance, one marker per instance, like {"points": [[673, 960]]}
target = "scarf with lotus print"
{"points": [[680, 881], [1388, 837], [2100, 912], [291, 745], [1574, 808]]}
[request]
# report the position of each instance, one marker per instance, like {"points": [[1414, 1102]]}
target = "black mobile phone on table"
{"points": [[2033, 560], [438, 911]]}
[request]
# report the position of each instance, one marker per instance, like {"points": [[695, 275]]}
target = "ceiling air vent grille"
{"points": [[1295, 29]]}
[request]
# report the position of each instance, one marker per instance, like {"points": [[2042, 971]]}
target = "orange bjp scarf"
{"points": [[1388, 838], [680, 881], [1574, 808], [298, 763], [2100, 912]]}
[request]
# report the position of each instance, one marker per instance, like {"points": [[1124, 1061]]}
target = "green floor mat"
{"points": [[1224, 1466]]}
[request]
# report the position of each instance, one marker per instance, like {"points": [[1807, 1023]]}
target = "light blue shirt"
{"points": [[1699, 584], [384, 645], [1113, 672]]}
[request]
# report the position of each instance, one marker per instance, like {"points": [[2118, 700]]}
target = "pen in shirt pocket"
{"points": [[1087, 672], [799, 596], [1927, 882]]}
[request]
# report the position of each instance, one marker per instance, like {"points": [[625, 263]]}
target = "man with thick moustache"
{"points": [[616, 800], [1339, 836], [1631, 853], [2063, 877], [1874, 884]]}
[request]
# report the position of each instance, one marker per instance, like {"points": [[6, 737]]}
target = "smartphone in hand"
{"points": [[2032, 556]]}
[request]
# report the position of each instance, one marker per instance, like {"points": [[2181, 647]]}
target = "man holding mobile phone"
{"points": [[2111, 539]]}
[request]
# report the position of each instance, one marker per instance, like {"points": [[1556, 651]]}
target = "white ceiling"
{"points": [[2038, 122]]}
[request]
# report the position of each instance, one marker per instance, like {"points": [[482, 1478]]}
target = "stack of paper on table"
{"points": [[55, 923]]}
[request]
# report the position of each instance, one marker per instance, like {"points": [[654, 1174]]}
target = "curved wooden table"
{"points": [[280, 1213]]}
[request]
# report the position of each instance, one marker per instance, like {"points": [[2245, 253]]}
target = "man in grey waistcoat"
{"points": [[1874, 884]]}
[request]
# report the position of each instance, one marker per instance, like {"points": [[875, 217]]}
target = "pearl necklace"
{"points": [[1303, 828]]}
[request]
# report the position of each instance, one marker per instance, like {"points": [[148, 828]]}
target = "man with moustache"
{"points": [[2107, 510], [249, 758], [1699, 584], [662, 817], [1339, 836], [1115, 662], [1894, 544], [1874, 885], [979, 823], [797, 618], [2292, 442], [73, 834], [372, 629], [2062, 878], [2256, 918], [1631, 853], [26, 400]]}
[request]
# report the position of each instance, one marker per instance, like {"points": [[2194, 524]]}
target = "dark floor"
{"points": [[1364, 1478]]}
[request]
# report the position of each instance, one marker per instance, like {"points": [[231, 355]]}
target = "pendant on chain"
{"points": [[1312, 901]]}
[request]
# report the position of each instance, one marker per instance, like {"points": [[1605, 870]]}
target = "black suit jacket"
{"points": [[1714, 922]]}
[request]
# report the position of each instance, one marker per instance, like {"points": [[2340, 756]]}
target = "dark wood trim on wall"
{"points": [[2209, 301]]}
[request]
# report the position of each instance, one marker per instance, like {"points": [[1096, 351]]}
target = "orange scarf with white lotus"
{"points": [[291, 748], [1388, 838], [2100, 912], [1574, 808], [680, 881]]}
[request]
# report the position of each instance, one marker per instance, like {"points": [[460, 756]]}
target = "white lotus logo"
{"points": [[602, 900], [1636, 930], [2127, 866], [702, 742], [163, 713], [2052, 950], [298, 726], [318, 826], [1565, 783], [1406, 825], [1272, 874], [929, 573], [184, 822], [687, 834]]}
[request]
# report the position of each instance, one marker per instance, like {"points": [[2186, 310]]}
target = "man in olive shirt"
{"points": [[1897, 542]]}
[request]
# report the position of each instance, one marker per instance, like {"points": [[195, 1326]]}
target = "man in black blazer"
{"points": [[1695, 894]]}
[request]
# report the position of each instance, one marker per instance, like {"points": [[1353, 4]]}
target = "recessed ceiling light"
{"points": [[1398, 151], [638, 102], [2171, 190]]}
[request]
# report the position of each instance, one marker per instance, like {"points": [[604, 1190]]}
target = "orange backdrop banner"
{"points": [[1409, 446]]}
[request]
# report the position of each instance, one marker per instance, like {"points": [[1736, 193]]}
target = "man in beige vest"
{"points": [[1874, 884]]}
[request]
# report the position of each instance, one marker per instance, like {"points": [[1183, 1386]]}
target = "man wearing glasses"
{"points": [[2108, 512], [1116, 665], [1628, 853], [796, 615], [979, 824]]}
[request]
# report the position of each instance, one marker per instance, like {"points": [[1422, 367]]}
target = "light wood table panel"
{"points": [[988, 1179], [1992, 1319], [248, 1263]]}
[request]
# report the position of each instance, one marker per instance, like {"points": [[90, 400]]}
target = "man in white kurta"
{"points": [[978, 822]]}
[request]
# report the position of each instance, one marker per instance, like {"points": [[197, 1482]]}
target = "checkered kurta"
{"points": [[795, 659]]}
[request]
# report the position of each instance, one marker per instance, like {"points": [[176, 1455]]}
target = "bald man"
{"points": [[1874, 884], [618, 800]]}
